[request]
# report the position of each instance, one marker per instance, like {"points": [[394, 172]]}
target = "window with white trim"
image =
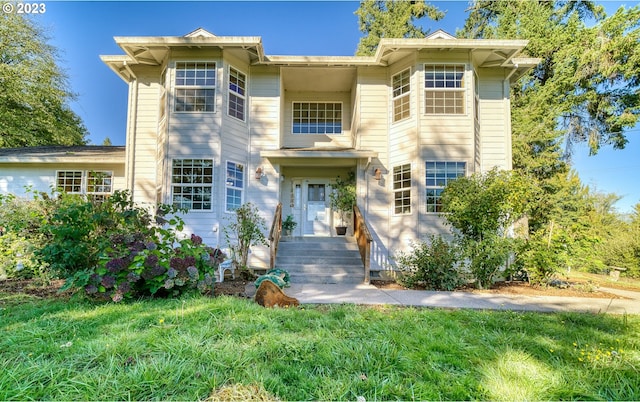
{"points": [[317, 118], [438, 175], [96, 184], [69, 181], [444, 89], [401, 100], [234, 186], [195, 86], [192, 183], [237, 97], [402, 189]]}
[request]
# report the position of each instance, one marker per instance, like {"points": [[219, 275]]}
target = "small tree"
{"points": [[245, 231], [482, 208], [343, 196]]}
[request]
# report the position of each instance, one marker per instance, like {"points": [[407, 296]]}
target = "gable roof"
{"points": [[94, 154]]}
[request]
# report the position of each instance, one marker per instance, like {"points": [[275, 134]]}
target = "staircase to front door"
{"points": [[321, 260]]}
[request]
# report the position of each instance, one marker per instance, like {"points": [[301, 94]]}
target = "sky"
{"points": [[84, 30]]}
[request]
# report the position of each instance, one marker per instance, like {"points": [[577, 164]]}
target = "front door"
{"points": [[317, 213]]}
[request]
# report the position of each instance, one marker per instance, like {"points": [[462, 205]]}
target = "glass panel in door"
{"points": [[317, 213]]}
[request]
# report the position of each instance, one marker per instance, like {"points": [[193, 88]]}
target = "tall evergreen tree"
{"points": [[34, 93], [391, 19]]}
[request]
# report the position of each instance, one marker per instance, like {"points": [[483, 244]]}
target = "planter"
{"points": [[341, 230]]}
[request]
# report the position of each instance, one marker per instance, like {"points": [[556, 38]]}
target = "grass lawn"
{"points": [[190, 348]]}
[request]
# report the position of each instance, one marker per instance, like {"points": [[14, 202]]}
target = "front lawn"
{"points": [[191, 348]]}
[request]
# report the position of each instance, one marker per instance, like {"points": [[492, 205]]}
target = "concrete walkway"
{"points": [[368, 294]]}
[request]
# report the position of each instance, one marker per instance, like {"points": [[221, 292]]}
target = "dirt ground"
{"points": [[236, 287]]}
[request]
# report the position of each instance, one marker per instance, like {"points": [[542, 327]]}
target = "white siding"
{"points": [[42, 177], [495, 120]]}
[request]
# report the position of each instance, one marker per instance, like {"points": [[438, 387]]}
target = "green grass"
{"points": [[187, 349]]}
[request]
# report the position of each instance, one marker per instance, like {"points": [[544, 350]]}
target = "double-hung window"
{"points": [[192, 183], [195, 86], [237, 97], [444, 89], [401, 100], [235, 185], [317, 118], [402, 189], [438, 175]]}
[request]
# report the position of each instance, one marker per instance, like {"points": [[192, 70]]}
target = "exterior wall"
{"points": [[142, 135], [495, 120], [41, 177], [316, 140]]}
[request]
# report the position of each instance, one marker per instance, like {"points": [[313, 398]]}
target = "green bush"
{"points": [[430, 264], [488, 257], [134, 254], [20, 237]]}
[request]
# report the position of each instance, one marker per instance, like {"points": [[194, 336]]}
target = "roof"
{"points": [[94, 154], [154, 50]]}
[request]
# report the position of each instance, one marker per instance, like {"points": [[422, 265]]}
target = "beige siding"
{"points": [[495, 126], [319, 140]]}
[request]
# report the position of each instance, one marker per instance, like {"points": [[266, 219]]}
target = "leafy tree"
{"points": [[34, 92], [481, 209], [245, 231], [391, 19]]}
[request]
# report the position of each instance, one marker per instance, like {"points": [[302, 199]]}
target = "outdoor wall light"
{"points": [[377, 174], [259, 173]]}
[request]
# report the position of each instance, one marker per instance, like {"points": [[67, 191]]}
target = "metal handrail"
{"points": [[364, 239], [274, 235]]}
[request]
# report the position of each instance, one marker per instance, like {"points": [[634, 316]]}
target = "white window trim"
{"points": [[406, 94], [108, 172], [84, 182], [176, 86], [244, 183], [319, 102], [394, 191], [213, 178], [463, 90], [436, 187], [234, 93]]}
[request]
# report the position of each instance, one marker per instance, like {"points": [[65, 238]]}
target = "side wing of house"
{"points": [[95, 171]]}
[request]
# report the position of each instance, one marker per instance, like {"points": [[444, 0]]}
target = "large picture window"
{"points": [[192, 183], [235, 185], [317, 118], [438, 174], [444, 89], [401, 83], [237, 89], [402, 189], [195, 87]]}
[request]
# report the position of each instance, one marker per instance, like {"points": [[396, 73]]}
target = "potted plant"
{"points": [[288, 225], [343, 198]]}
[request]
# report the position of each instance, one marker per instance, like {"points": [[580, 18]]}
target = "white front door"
{"points": [[317, 212]]}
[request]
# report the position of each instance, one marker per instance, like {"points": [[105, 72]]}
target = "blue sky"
{"points": [[83, 30]]}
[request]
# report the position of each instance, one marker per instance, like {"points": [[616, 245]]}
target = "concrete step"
{"points": [[321, 260]]}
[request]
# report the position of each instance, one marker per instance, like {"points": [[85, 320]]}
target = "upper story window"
{"points": [[192, 183], [402, 189], [235, 185], [195, 86], [237, 97], [317, 118], [401, 84], [438, 174], [444, 89]]}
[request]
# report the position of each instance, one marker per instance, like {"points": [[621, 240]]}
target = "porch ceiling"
{"points": [[317, 157]]}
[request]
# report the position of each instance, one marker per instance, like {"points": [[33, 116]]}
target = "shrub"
{"points": [[245, 231], [540, 258], [431, 264], [20, 237], [487, 257]]}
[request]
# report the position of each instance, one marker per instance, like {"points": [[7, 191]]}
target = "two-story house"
{"points": [[213, 122]]}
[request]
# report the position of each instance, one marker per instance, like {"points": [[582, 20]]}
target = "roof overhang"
{"points": [[95, 155], [317, 157]]}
